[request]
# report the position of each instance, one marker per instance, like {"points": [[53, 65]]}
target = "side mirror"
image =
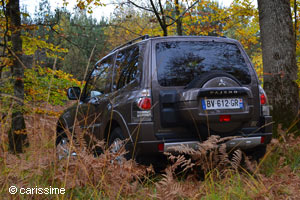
{"points": [[74, 93]]}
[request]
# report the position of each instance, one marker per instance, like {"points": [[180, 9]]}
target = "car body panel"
{"points": [[176, 114]]}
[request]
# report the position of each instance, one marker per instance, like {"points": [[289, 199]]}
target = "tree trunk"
{"points": [[279, 59], [163, 18], [17, 134], [295, 16], [165, 30], [178, 18], [162, 21]]}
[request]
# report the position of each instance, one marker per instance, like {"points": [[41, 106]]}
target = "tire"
{"points": [[59, 136], [62, 140], [116, 137], [256, 153], [62, 146]]}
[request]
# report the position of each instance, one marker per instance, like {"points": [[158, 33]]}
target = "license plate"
{"points": [[230, 103]]}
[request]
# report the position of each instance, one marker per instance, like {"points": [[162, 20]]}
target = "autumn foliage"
{"points": [[207, 173], [59, 47]]}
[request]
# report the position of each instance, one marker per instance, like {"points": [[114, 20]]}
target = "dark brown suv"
{"points": [[166, 91]]}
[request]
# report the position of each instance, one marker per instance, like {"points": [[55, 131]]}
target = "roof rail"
{"points": [[143, 37]]}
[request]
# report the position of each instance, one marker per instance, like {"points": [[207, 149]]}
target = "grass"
{"points": [[89, 177]]}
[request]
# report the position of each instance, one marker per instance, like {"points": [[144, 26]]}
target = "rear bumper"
{"points": [[246, 140], [245, 143], [241, 142]]}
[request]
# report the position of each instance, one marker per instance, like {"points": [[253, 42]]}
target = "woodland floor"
{"points": [[277, 176]]}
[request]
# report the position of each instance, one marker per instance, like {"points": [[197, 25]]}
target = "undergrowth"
{"points": [[206, 173]]}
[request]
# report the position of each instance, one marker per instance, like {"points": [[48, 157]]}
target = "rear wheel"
{"points": [[116, 142], [256, 153]]}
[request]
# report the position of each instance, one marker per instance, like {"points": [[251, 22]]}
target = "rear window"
{"points": [[179, 62], [126, 67]]}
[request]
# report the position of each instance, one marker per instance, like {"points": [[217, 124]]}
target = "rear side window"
{"points": [[100, 79], [126, 67], [179, 62]]}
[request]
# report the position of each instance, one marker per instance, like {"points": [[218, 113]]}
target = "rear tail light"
{"points": [[265, 108], [144, 103], [160, 147], [262, 140], [263, 99], [224, 118], [262, 96], [142, 107]]}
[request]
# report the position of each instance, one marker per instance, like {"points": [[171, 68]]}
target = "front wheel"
{"points": [[63, 147]]}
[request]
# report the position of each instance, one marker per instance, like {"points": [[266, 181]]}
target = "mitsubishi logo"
{"points": [[221, 83]]}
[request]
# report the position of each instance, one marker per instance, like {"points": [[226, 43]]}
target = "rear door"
{"points": [[126, 82], [94, 106], [179, 62]]}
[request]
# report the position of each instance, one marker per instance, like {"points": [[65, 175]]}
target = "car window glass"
{"points": [[100, 80], [179, 62], [126, 68]]}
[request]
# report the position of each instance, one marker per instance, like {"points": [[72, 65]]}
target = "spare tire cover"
{"points": [[222, 80], [216, 79]]}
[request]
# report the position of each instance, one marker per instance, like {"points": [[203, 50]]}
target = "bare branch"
{"points": [[6, 27], [17, 57], [138, 6], [183, 13], [170, 18], [65, 38], [162, 12], [162, 25]]}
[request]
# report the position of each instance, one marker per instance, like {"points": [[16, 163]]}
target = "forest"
{"points": [[45, 53]]}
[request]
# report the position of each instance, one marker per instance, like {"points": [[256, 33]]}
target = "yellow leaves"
{"points": [[88, 4], [65, 2], [80, 5], [99, 4], [5, 61], [56, 27], [31, 45], [90, 11], [32, 92], [123, 29], [61, 75], [206, 18], [45, 84], [241, 23], [23, 131], [258, 64], [47, 112]]}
